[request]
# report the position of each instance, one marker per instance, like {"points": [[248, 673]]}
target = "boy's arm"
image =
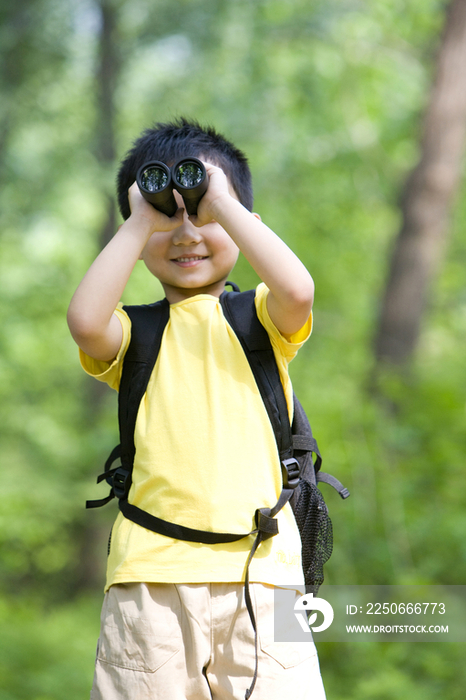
{"points": [[291, 295], [91, 319]]}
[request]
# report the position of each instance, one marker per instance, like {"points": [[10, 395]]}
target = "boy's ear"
{"points": [[254, 213]]}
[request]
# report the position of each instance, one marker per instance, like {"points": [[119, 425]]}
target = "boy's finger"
{"points": [[194, 219], [179, 214]]}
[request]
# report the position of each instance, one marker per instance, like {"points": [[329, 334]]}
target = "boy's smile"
{"points": [[189, 260]]}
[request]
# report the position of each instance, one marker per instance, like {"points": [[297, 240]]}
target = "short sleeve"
{"points": [[287, 345], [109, 372]]}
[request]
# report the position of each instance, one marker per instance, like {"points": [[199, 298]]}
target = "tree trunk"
{"points": [[108, 70], [427, 199], [92, 533]]}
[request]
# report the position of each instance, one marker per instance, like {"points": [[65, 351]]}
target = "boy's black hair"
{"points": [[172, 141]]}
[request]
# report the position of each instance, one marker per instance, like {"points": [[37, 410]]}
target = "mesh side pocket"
{"points": [[316, 531]]}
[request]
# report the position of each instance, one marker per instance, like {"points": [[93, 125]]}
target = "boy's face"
{"points": [[191, 260]]}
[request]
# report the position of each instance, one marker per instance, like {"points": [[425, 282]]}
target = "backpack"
{"points": [[295, 443]]}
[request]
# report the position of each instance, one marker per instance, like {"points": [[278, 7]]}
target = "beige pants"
{"points": [[196, 642]]}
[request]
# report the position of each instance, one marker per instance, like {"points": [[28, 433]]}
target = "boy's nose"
{"points": [[187, 233]]}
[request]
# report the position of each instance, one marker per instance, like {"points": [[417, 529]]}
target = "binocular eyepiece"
{"points": [[156, 182]]}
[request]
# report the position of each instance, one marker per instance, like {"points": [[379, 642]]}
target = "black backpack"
{"points": [[295, 443]]}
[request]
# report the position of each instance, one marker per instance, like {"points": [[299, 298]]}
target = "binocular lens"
{"points": [[154, 179], [156, 182], [189, 174]]}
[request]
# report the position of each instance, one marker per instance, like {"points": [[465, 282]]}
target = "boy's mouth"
{"points": [[189, 260]]}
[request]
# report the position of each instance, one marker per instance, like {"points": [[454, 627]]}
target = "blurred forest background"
{"points": [[353, 115]]}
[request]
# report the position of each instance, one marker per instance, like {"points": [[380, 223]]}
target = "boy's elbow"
{"points": [[81, 327], [76, 323], [98, 339], [291, 310], [300, 305], [302, 295]]}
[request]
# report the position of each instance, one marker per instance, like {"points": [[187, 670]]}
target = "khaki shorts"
{"points": [[196, 642]]}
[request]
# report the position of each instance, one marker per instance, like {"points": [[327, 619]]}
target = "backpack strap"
{"points": [[147, 326], [148, 322], [332, 481], [240, 312]]}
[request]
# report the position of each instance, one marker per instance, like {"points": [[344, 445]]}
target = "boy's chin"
{"points": [[178, 293]]}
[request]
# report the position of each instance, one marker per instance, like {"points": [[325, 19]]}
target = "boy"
{"points": [[174, 623]]}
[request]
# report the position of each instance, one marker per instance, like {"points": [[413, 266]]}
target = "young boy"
{"points": [[174, 621]]}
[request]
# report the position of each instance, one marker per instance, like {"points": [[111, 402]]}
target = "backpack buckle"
{"points": [[290, 473], [121, 482]]}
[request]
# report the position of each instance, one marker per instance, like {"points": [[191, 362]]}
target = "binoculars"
{"points": [[156, 182]]}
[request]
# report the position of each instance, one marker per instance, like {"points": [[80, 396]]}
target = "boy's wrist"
{"points": [[136, 228], [224, 207]]}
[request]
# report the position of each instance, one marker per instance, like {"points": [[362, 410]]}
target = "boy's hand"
{"points": [[149, 218], [216, 192]]}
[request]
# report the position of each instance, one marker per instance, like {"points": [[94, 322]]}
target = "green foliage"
{"points": [[326, 98], [47, 655], [391, 671]]}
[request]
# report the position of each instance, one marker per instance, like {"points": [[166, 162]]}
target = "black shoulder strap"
{"points": [[147, 325], [148, 322], [240, 312]]}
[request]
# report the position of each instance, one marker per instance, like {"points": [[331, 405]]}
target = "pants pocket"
{"points": [[287, 654], [140, 627]]}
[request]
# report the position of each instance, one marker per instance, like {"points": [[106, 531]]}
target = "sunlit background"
{"points": [[327, 98]]}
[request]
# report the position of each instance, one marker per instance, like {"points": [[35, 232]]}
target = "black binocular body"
{"points": [[156, 182]]}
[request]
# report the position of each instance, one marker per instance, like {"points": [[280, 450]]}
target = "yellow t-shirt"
{"points": [[206, 454]]}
